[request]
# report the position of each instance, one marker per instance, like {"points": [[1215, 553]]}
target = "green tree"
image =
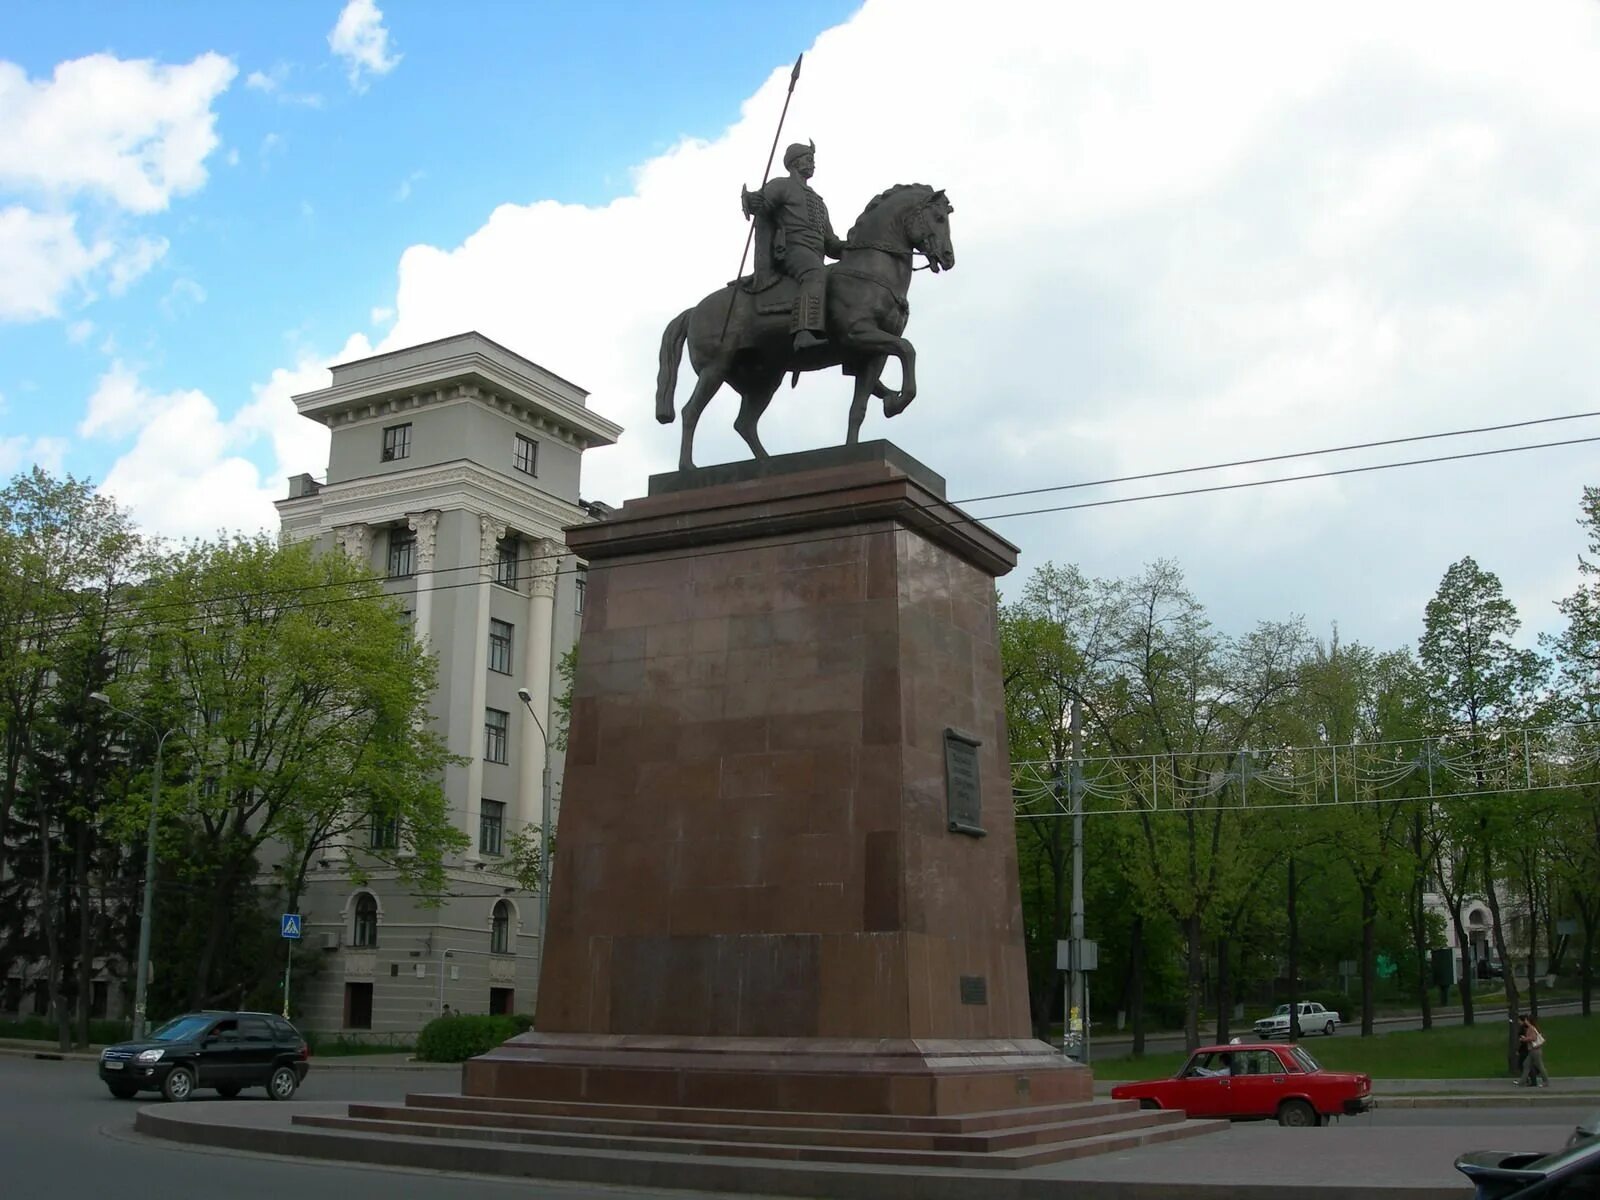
{"points": [[299, 703], [67, 556], [1482, 688]]}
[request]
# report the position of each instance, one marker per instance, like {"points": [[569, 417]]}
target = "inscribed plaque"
{"points": [[962, 791]]}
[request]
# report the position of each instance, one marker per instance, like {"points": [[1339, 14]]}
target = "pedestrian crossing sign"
{"points": [[291, 925]]}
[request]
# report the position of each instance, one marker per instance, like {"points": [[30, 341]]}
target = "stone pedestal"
{"points": [[786, 874]]}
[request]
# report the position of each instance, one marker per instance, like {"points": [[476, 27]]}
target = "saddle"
{"points": [[774, 294]]}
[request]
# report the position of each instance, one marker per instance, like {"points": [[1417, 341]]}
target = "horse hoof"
{"points": [[897, 404]]}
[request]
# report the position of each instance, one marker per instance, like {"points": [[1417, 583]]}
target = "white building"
{"points": [[453, 468]]}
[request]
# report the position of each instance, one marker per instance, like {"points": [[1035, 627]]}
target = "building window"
{"points": [[505, 562], [527, 455], [397, 442], [500, 646], [500, 929], [402, 552], [491, 821], [385, 832], [366, 930], [495, 725], [580, 584]]}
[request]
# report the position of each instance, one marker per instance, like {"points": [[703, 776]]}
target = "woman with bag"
{"points": [[1533, 1072]]}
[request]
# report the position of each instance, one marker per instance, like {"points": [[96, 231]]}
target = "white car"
{"points": [[1313, 1019]]}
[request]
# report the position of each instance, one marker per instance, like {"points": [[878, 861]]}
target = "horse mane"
{"points": [[882, 196]]}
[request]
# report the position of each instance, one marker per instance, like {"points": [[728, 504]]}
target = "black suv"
{"points": [[227, 1051]]}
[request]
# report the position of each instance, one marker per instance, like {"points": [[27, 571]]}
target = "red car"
{"points": [[1255, 1081]]}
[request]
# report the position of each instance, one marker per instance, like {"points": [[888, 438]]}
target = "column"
{"points": [[356, 541], [536, 651], [426, 526], [490, 532]]}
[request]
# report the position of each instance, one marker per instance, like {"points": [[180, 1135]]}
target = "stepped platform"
{"points": [[1001, 1140]]}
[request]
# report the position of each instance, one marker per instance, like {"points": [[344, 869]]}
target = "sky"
{"points": [[1185, 235]]}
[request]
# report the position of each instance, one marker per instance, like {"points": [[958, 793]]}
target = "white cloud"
{"points": [[272, 84], [382, 316], [1184, 235], [360, 39], [134, 261], [42, 260], [403, 192], [80, 332], [20, 453], [183, 296], [133, 131], [191, 472]]}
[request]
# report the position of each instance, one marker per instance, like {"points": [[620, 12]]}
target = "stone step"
{"points": [[966, 1123], [736, 1130], [880, 1156]]}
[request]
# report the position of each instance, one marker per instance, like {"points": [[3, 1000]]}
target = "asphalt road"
{"points": [[62, 1135]]}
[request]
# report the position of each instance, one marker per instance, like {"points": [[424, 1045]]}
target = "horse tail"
{"points": [[672, 340]]}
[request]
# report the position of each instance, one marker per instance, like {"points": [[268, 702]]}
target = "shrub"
{"points": [[456, 1039], [522, 1021]]}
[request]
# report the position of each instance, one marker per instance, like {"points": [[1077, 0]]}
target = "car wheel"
{"points": [[228, 1091], [122, 1091], [178, 1085], [283, 1083], [1147, 1105], [1297, 1114], [1329, 1028]]}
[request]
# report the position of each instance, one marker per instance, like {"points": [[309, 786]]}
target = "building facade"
{"points": [[453, 468]]}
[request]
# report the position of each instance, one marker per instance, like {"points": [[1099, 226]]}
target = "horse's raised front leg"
{"points": [[867, 386], [871, 338], [755, 394], [705, 387]]}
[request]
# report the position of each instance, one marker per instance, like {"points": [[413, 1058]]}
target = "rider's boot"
{"points": [[806, 340]]}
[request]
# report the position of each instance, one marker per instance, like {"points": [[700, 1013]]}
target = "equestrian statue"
{"points": [[795, 313]]}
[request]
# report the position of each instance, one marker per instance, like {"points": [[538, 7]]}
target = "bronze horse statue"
{"points": [[751, 348]]}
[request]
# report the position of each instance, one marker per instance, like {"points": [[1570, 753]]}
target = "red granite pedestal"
{"points": [[762, 897]]}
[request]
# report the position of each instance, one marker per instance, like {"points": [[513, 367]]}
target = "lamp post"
{"points": [[526, 697], [141, 980]]}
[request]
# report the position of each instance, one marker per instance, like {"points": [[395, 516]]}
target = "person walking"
{"points": [[1533, 1072]]}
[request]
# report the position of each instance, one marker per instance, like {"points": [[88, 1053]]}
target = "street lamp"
{"points": [[526, 697], [140, 983]]}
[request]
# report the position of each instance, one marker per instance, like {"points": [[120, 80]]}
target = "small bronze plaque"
{"points": [[974, 989], [962, 791]]}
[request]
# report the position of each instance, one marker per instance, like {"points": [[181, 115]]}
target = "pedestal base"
{"points": [[891, 1076]]}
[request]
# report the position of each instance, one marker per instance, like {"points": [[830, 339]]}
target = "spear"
{"points": [[766, 172]]}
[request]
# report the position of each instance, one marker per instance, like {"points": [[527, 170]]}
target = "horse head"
{"points": [[907, 217], [928, 227]]}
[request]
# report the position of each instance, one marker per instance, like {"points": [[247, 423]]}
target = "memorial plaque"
{"points": [[974, 989], [964, 796]]}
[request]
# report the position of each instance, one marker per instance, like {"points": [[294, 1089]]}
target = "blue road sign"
{"points": [[291, 925]]}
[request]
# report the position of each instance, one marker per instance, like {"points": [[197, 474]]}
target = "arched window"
{"points": [[366, 931], [500, 929]]}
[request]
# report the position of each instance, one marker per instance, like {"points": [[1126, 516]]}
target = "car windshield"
{"points": [[1281, 1011], [181, 1029], [1307, 1063]]}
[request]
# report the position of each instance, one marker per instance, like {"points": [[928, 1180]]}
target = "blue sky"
{"points": [[489, 103], [1185, 235]]}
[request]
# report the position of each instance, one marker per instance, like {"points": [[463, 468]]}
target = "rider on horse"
{"points": [[793, 235]]}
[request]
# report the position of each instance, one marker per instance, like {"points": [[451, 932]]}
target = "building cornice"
{"points": [[480, 370], [459, 485]]}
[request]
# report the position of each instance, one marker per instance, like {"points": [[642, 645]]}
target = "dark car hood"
{"points": [[132, 1048]]}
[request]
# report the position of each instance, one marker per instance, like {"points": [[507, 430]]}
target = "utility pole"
{"points": [[1075, 806]]}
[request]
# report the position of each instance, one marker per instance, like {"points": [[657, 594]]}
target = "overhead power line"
{"points": [[1443, 768], [937, 513]]}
